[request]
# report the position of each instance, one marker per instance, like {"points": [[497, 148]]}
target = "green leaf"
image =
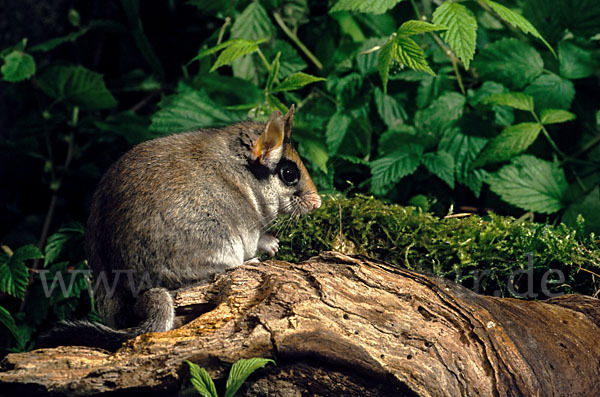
{"points": [[464, 149], [273, 72], [385, 60], [240, 371], [511, 141], [589, 208], [462, 29], [14, 275], [510, 62], [71, 37], [411, 54], [57, 241], [201, 381], [235, 49], [349, 26], [188, 110], [253, 23], [517, 20], [531, 184], [77, 86], [553, 116], [295, 81], [442, 113], [8, 321], [440, 164], [315, 151], [367, 54], [18, 66], [515, 100], [413, 27], [387, 171], [389, 109], [551, 91], [337, 127], [371, 6], [131, 126], [289, 62], [577, 60], [391, 140], [503, 116]]}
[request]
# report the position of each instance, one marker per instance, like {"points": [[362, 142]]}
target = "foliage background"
{"points": [[481, 109]]}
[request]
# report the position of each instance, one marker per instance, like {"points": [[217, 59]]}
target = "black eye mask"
{"points": [[288, 172]]}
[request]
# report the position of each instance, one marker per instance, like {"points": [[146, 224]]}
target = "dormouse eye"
{"points": [[289, 173]]}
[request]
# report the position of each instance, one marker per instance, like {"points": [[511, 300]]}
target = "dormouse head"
{"points": [[288, 177]]}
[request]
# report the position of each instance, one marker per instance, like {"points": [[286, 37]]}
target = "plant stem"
{"points": [[53, 201], [264, 59], [297, 41], [455, 61], [222, 31]]}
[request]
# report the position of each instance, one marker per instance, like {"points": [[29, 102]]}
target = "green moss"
{"points": [[493, 254]]}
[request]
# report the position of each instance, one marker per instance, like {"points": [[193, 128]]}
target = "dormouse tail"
{"points": [[86, 333]]}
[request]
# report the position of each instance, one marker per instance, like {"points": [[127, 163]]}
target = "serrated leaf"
{"points": [[413, 27], [372, 6], [314, 151], [336, 130], [71, 37], [531, 184], [385, 59], [577, 60], [201, 381], [511, 141], [14, 275], [18, 66], [240, 371], [27, 252], [235, 49], [295, 81], [187, 110], [464, 149], [7, 320], [442, 112], [389, 109], [57, 241], [253, 23], [462, 29], [515, 100], [390, 169], [440, 164], [517, 20], [551, 91], [553, 116], [392, 140], [78, 86], [411, 54], [510, 62], [353, 159]]}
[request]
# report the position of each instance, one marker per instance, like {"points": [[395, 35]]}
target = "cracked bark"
{"points": [[338, 325]]}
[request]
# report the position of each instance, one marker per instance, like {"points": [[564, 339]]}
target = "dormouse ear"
{"points": [[288, 120], [268, 148]]}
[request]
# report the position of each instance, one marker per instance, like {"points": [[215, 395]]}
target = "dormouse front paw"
{"points": [[268, 244]]}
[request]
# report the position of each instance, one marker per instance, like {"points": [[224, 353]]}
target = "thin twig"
{"points": [[297, 41]]}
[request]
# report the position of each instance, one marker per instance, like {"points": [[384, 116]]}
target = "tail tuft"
{"points": [[84, 333]]}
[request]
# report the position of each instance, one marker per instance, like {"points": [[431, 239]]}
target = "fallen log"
{"points": [[338, 325]]}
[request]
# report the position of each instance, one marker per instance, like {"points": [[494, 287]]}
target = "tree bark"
{"points": [[338, 325]]}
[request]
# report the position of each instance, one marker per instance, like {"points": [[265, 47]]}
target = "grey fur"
{"points": [[176, 210]]}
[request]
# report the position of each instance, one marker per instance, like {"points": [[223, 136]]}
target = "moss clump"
{"points": [[493, 254]]}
